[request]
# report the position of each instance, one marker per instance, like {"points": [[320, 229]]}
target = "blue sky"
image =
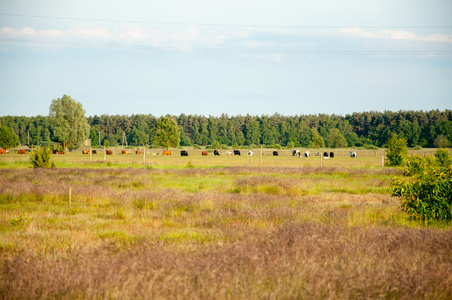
{"points": [[235, 57]]}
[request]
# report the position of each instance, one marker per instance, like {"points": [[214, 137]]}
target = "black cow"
{"points": [[54, 151], [325, 154], [237, 152], [183, 153], [275, 153], [216, 152], [332, 154]]}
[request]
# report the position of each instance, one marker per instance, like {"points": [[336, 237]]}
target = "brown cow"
{"points": [[85, 151], [125, 151], [205, 153], [2, 151], [166, 152], [61, 152], [94, 151], [138, 152], [109, 152], [21, 152]]}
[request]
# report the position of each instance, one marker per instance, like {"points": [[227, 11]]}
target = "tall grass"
{"points": [[216, 233]]}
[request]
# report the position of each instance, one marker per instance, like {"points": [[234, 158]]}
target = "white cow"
{"points": [[250, 153], [295, 152], [353, 154], [229, 153], [307, 154]]}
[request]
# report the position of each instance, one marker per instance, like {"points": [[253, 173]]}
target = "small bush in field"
{"points": [[443, 158], [397, 151], [428, 195], [42, 158]]}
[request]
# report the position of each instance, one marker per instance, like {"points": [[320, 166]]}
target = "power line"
{"points": [[228, 50], [222, 25]]}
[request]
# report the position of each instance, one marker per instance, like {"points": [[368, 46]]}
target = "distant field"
{"points": [[214, 228]]}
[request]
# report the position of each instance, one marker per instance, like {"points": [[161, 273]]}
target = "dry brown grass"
{"points": [[217, 233]]}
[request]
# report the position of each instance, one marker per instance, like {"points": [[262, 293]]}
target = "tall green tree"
{"points": [[166, 133], [68, 121], [8, 138], [316, 140]]}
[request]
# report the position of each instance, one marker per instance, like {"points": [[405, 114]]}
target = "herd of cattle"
{"points": [[295, 152]]}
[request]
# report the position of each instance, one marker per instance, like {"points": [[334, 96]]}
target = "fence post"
{"points": [[90, 154], [260, 161], [144, 155], [69, 196]]}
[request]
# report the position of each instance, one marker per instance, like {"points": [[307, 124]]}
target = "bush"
{"points": [[428, 194], [42, 158], [397, 151], [443, 158]]}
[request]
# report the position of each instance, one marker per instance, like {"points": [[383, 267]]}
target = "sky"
{"points": [[209, 57]]}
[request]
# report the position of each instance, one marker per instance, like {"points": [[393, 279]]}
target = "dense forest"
{"points": [[366, 129]]}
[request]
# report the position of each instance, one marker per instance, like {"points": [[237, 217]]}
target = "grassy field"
{"points": [[214, 228]]}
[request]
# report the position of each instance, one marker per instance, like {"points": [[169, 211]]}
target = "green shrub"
{"points": [[428, 194], [42, 158], [196, 146], [443, 158], [397, 151]]}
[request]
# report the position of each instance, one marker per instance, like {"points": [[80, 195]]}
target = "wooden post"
{"points": [[321, 158], [144, 155], [260, 161], [90, 154], [69, 196], [105, 153]]}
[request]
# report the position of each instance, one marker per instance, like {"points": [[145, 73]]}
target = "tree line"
{"points": [[366, 129]]}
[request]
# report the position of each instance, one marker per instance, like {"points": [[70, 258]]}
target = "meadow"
{"points": [[214, 228]]}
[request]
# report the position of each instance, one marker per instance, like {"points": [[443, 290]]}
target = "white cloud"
{"points": [[396, 35]]}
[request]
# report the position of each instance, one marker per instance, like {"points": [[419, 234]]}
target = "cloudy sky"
{"points": [[209, 57]]}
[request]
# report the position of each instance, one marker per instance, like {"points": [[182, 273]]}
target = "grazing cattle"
{"points": [[307, 154], [275, 153], [216, 152], [352, 154], [85, 151], [21, 152], [2, 151], [317, 154], [124, 152], [229, 153], [204, 153], [94, 151], [166, 152], [138, 152], [325, 154], [109, 152], [332, 154], [183, 153], [250, 153], [54, 151], [295, 152], [236, 152], [61, 152]]}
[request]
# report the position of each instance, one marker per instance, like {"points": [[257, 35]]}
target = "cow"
{"points": [[183, 153], [61, 152], [325, 154], [353, 154], [216, 152], [2, 151], [85, 151], [21, 151], [275, 153], [124, 152], [307, 154], [332, 154], [237, 152], [295, 152], [109, 152], [204, 153], [229, 153], [138, 152], [54, 151], [166, 152], [250, 153], [94, 151], [317, 154]]}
